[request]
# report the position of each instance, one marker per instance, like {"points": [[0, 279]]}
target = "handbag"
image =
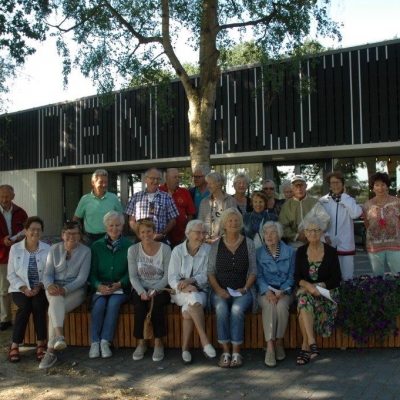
{"points": [[148, 331]]}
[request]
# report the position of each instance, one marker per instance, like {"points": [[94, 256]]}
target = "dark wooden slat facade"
{"points": [[356, 101]]}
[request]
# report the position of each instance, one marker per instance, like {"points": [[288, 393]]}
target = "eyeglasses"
{"points": [[199, 232], [197, 176], [335, 182], [35, 229], [268, 188], [273, 233], [71, 234], [313, 230], [298, 185], [154, 178]]}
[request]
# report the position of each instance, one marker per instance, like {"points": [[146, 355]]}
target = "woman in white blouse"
{"points": [[187, 275]]}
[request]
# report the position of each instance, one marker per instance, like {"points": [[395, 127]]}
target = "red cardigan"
{"points": [[18, 218]]}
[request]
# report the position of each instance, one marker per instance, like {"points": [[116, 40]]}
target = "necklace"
{"points": [[233, 244]]}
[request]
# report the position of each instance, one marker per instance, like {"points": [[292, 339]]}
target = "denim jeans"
{"points": [[105, 310], [230, 315]]}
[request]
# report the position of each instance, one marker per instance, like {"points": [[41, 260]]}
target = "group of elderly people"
{"points": [[233, 259]]}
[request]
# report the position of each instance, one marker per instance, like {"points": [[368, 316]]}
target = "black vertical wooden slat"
{"points": [[383, 94], [374, 96], [230, 130], [217, 125], [310, 108], [282, 130], [357, 100], [239, 125], [347, 95], [331, 137], [223, 135], [290, 110], [393, 90], [319, 123], [315, 99], [250, 130], [337, 113], [259, 144]]}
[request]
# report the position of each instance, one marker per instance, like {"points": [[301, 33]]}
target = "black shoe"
{"points": [[5, 325]]}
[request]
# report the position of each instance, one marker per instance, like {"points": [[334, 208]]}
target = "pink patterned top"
{"points": [[383, 225]]}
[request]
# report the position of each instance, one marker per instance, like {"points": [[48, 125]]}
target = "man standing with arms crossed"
{"points": [[12, 220], [184, 204], [92, 207]]}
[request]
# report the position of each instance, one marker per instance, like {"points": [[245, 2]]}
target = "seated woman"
{"points": [[231, 266], [317, 265], [67, 270], [187, 275], [110, 279], [275, 281], [255, 220], [25, 272], [212, 206], [148, 272]]}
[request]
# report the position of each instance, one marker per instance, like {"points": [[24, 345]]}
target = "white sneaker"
{"points": [[186, 357], [105, 350], [94, 351], [158, 353], [48, 360], [138, 354], [60, 343], [209, 351]]}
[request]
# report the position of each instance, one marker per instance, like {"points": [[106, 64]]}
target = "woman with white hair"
{"points": [[287, 190], [241, 184], [317, 265], [187, 275], [212, 207], [109, 279], [275, 281], [231, 271]]}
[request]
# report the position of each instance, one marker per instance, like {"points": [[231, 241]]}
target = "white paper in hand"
{"points": [[234, 293]]}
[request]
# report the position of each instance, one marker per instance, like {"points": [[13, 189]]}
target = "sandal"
{"points": [[303, 358], [40, 351], [314, 351], [225, 360], [13, 355], [236, 360]]}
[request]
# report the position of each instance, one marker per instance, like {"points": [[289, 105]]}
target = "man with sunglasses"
{"points": [[298, 209], [153, 204], [92, 207]]}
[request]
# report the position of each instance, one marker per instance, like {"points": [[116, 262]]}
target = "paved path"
{"points": [[337, 374]]}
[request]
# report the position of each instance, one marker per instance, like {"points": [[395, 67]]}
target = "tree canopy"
{"points": [[121, 39]]}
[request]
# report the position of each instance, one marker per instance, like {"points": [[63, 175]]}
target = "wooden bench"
{"points": [[77, 331]]}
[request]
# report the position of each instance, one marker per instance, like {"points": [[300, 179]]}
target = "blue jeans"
{"points": [[105, 310], [377, 260], [230, 315]]}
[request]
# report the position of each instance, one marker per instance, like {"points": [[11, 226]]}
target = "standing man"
{"points": [[199, 191], [12, 220], [154, 204], [92, 207], [295, 210], [342, 209], [184, 204]]}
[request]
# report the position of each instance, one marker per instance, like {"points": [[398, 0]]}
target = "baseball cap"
{"points": [[298, 178]]}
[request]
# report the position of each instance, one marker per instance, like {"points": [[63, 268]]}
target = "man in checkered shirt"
{"points": [[154, 204]]}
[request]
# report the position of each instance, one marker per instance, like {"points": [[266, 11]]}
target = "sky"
{"points": [[40, 82]]}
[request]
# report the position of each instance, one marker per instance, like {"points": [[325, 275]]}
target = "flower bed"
{"points": [[370, 306]]}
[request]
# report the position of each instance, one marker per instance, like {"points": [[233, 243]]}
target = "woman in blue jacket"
{"points": [[275, 281]]}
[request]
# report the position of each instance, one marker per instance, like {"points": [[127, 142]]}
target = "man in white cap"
{"points": [[295, 210]]}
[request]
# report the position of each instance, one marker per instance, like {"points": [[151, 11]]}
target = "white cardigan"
{"points": [[17, 270]]}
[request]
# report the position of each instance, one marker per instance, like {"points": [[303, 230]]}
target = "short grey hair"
{"points": [[286, 184], [269, 181], [216, 177], [203, 168], [242, 175], [113, 215], [275, 224], [9, 187], [226, 214], [193, 224], [99, 172], [152, 169], [314, 220]]}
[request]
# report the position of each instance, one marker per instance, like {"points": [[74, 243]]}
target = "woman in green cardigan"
{"points": [[110, 278]]}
